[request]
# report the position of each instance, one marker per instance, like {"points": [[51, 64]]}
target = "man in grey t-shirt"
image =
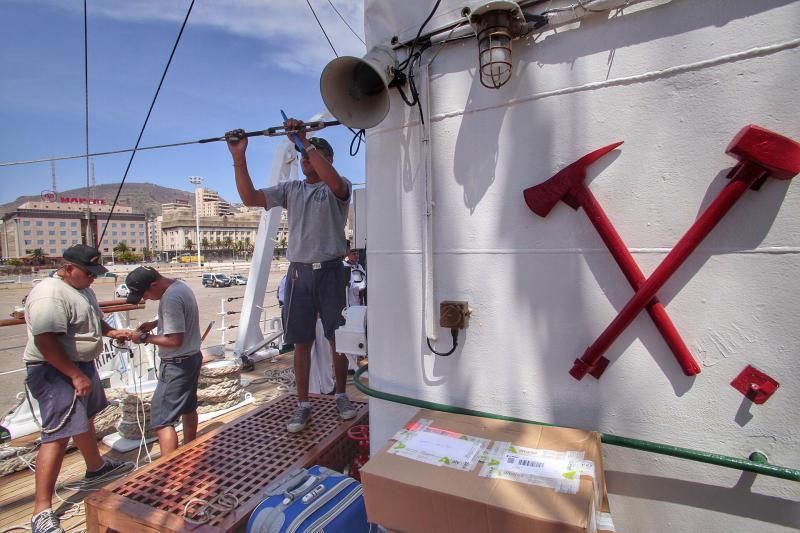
{"points": [[65, 331], [317, 210], [178, 344]]}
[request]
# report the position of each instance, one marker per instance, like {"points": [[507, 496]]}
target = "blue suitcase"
{"points": [[313, 500]]}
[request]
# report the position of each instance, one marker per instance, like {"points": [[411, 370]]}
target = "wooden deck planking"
{"points": [[17, 489]]}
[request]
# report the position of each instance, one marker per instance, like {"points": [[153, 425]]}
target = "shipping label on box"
{"points": [[423, 442], [455, 473], [561, 471]]}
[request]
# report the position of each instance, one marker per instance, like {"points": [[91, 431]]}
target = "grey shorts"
{"points": [[176, 392], [54, 392], [311, 293]]}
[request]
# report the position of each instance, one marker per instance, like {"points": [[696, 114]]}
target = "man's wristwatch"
{"points": [[143, 337]]}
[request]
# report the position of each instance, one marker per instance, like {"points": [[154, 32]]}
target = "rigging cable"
{"points": [[89, 234], [149, 111], [320, 27], [358, 136], [346, 24]]}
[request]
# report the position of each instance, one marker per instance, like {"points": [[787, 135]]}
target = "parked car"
{"points": [[103, 275], [238, 279], [122, 291], [211, 279]]}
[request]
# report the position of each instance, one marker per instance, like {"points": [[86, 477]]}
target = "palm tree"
{"points": [[205, 243], [188, 244], [120, 249], [37, 256]]}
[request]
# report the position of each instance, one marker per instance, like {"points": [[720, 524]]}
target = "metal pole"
{"points": [[196, 180]]}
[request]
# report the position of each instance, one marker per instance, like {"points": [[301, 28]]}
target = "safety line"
{"points": [[147, 118], [320, 27], [346, 24]]}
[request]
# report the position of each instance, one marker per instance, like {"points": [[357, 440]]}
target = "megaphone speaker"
{"points": [[356, 90]]}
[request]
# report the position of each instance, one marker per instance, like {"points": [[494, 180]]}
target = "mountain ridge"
{"points": [[143, 197]]}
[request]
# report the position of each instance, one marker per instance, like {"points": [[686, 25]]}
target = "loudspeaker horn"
{"points": [[356, 90]]}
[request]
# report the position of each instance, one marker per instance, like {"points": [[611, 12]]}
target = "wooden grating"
{"points": [[241, 458]]}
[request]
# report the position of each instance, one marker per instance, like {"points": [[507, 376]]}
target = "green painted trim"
{"points": [[758, 467]]}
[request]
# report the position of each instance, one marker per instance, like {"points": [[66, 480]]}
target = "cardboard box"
{"points": [[432, 478]]}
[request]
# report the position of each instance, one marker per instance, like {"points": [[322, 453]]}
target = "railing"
{"points": [[757, 463]]}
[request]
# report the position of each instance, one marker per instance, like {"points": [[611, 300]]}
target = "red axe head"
{"points": [[543, 197], [776, 153]]}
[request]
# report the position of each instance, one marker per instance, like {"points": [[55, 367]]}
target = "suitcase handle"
{"points": [[297, 491]]}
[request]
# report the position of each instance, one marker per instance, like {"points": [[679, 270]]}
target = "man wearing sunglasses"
{"points": [[65, 336], [317, 210]]}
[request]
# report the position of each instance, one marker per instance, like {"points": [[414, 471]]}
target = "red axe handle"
{"points": [[762, 154], [636, 279]]}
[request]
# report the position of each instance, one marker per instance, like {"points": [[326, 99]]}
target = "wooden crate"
{"points": [[240, 458]]}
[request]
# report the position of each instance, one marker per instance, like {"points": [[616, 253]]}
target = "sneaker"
{"points": [[299, 419], [46, 522], [110, 469], [346, 409]]}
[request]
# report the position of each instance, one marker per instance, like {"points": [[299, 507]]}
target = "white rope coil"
{"points": [[131, 431], [205, 381], [220, 369], [213, 394], [211, 407]]}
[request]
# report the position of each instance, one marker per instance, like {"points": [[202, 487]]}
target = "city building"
{"points": [[176, 205], [54, 226], [154, 232], [209, 203], [178, 226]]}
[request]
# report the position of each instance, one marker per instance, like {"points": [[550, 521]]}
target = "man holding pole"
{"points": [[317, 210]]}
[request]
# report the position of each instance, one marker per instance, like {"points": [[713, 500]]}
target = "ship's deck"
{"points": [[17, 489]]}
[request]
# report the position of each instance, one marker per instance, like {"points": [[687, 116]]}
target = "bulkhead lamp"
{"points": [[496, 24]]}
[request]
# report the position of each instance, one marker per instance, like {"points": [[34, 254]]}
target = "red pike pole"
{"points": [[761, 154]]}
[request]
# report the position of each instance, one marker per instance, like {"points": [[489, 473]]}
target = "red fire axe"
{"points": [[761, 154], [569, 186]]}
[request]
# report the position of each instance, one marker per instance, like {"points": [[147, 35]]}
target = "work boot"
{"points": [[345, 408], [46, 522], [299, 420]]}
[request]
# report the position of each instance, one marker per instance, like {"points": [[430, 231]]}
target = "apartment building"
{"points": [[209, 203]]}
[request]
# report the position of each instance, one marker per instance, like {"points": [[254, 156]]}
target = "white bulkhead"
{"points": [[675, 80]]}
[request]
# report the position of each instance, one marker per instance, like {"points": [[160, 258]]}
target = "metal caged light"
{"points": [[496, 24]]}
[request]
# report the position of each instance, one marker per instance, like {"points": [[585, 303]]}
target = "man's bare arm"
{"points": [[237, 145]]}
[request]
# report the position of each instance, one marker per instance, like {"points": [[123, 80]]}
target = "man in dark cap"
{"points": [[317, 210], [65, 336], [178, 341]]}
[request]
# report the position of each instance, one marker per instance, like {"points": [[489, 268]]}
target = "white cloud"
{"points": [[292, 38]]}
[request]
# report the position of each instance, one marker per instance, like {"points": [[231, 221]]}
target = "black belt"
{"points": [[181, 359], [37, 363], [319, 266]]}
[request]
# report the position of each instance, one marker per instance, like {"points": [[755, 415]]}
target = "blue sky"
{"points": [[238, 64]]}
